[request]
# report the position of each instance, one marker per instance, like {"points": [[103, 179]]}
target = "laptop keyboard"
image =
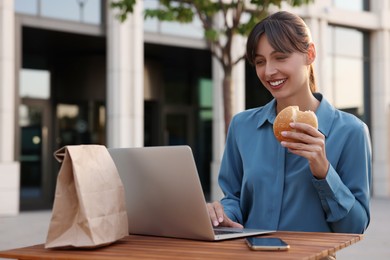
{"points": [[227, 231]]}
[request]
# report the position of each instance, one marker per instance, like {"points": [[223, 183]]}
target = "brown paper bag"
{"points": [[89, 206]]}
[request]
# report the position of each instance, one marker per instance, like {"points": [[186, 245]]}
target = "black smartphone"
{"points": [[266, 243]]}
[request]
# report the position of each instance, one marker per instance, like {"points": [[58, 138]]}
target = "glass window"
{"points": [[85, 11], [194, 29], [34, 84], [26, 7], [348, 70], [204, 134], [151, 24], [177, 90], [177, 129], [205, 93], [352, 5], [31, 122], [81, 123], [92, 11], [348, 42], [348, 90]]}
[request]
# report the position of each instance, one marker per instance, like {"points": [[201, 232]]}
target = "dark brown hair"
{"points": [[287, 33]]}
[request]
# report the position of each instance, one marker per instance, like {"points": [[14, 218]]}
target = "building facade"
{"points": [[71, 73]]}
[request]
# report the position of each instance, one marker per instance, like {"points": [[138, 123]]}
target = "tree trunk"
{"points": [[227, 97]]}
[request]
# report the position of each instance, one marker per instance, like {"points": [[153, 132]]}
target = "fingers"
{"points": [[310, 143], [230, 223], [218, 216], [305, 134], [215, 212]]}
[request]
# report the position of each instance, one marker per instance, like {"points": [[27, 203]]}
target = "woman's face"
{"points": [[285, 75]]}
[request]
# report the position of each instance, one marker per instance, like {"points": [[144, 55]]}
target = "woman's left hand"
{"points": [[310, 143]]}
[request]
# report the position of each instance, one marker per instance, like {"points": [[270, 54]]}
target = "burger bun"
{"points": [[292, 114]]}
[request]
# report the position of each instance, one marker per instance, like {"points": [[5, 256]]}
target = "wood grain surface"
{"points": [[303, 245]]}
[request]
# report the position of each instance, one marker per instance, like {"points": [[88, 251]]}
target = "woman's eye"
{"points": [[281, 57], [259, 62]]}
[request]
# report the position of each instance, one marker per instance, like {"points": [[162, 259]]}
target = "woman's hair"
{"points": [[287, 33]]}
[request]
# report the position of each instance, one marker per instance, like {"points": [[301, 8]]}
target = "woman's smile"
{"points": [[277, 84]]}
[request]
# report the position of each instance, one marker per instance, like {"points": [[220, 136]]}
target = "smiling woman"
{"points": [[316, 179], [283, 44]]}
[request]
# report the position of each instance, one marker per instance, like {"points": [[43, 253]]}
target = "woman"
{"points": [[319, 183]]}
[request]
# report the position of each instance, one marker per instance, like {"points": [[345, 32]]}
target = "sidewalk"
{"points": [[376, 242], [30, 228]]}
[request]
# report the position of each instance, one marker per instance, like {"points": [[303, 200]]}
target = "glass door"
{"points": [[36, 178], [81, 123], [178, 128], [34, 154]]}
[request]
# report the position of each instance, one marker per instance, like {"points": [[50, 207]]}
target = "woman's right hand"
{"points": [[218, 216]]}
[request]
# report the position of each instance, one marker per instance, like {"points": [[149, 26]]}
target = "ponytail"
{"points": [[312, 78]]}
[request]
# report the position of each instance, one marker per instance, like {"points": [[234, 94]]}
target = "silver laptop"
{"points": [[164, 196]]}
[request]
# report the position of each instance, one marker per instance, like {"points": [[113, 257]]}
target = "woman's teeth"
{"points": [[276, 83]]}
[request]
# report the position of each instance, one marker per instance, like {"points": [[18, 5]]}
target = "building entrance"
{"points": [[61, 96], [35, 160]]}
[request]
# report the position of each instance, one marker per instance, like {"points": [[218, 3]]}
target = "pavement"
{"points": [[30, 228]]}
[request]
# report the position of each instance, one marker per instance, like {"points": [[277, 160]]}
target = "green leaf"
{"points": [[124, 6], [211, 35], [180, 14]]}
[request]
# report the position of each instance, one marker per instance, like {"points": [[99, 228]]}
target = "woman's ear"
{"points": [[311, 53]]}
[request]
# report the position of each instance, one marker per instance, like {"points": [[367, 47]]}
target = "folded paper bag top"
{"points": [[89, 205]]}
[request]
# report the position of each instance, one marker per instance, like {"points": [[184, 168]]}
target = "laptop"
{"points": [[164, 195]]}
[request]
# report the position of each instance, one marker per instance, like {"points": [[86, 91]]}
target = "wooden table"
{"points": [[303, 245]]}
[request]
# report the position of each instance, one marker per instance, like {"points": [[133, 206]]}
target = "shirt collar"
{"points": [[268, 113], [325, 114]]}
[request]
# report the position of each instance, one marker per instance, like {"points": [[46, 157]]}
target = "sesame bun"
{"points": [[292, 114]]}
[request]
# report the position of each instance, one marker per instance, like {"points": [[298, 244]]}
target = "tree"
{"points": [[238, 18]]}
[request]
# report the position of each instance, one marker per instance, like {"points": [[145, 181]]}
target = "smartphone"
{"points": [[266, 243]]}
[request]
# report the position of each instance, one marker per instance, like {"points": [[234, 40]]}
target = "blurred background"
{"points": [[71, 73]]}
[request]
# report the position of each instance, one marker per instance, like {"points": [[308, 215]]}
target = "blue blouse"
{"points": [[267, 187]]}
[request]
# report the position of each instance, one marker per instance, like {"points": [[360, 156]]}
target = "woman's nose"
{"points": [[270, 69]]}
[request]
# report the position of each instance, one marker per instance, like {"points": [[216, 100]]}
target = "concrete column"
{"points": [[125, 89], [218, 130], [322, 65], [318, 28], [9, 168], [238, 75], [315, 16], [239, 48], [380, 84]]}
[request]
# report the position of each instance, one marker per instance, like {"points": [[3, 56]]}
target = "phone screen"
{"points": [[266, 243]]}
